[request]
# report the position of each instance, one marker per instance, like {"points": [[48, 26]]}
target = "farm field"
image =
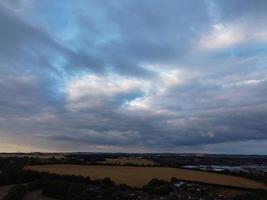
{"points": [[129, 160], [139, 176]]}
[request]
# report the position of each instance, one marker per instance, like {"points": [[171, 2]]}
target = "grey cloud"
{"points": [[24, 44], [225, 102], [152, 32], [238, 9]]}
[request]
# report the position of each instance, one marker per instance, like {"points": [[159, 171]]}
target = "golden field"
{"points": [[139, 176], [128, 160]]}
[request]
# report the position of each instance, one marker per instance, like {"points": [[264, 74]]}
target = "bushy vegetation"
{"points": [[17, 177], [64, 189], [35, 185], [158, 187], [16, 193], [56, 188], [259, 195]]}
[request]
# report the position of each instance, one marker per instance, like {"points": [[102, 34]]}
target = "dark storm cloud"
{"points": [[133, 75]]}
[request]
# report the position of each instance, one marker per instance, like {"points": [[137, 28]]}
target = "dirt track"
{"points": [[4, 190]]}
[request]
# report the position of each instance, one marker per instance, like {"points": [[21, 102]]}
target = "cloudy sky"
{"points": [[133, 76]]}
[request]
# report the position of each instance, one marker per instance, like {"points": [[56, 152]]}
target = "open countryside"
{"points": [[129, 160], [140, 176]]}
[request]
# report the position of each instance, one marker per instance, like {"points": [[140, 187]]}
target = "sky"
{"points": [[133, 76]]}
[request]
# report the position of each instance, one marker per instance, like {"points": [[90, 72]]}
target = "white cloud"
{"points": [[158, 90], [141, 103], [93, 90], [248, 82], [227, 35], [221, 36]]}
